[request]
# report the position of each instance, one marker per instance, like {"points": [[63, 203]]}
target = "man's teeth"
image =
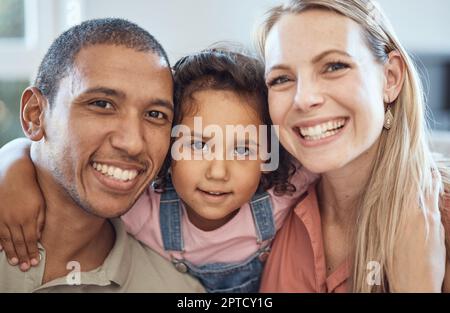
{"points": [[323, 130], [115, 172]]}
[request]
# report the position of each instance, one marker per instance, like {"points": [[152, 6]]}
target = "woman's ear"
{"points": [[32, 108], [394, 72]]}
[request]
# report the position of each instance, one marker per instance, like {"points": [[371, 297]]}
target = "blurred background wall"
{"points": [[27, 27]]}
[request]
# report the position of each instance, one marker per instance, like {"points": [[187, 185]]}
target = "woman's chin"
{"points": [[321, 166]]}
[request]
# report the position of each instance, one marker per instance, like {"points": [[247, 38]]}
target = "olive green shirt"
{"points": [[129, 267]]}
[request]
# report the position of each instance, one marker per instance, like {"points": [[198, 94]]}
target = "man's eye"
{"points": [[156, 115], [337, 66], [278, 81], [199, 145], [244, 151], [102, 104]]}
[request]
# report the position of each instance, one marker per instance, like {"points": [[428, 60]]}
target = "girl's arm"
{"points": [[22, 206]]}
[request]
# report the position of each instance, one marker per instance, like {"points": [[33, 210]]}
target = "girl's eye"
{"points": [[199, 145], [156, 114], [244, 151], [278, 81], [337, 66], [102, 104]]}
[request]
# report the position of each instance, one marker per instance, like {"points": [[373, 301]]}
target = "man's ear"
{"points": [[394, 72], [32, 108]]}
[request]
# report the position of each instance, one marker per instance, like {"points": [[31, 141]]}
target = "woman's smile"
{"points": [[317, 133]]}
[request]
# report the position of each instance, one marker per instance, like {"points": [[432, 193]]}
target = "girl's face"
{"points": [[213, 189], [325, 89]]}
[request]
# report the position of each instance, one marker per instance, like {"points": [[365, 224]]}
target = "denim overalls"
{"points": [[220, 277]]}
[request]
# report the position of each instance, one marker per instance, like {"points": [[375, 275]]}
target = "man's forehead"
{"points": [[117, 56], [108, 65], [131, 74]]}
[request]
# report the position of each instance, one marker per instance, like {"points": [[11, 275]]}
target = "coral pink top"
{"points": [[297, 261]]}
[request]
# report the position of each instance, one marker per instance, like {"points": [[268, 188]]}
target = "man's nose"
{"points": [[129, 136]]}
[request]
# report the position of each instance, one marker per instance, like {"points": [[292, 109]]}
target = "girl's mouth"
{"points": [[214, 195]]}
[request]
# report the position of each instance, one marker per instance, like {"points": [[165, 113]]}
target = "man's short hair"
{"points": [[60, 57]]}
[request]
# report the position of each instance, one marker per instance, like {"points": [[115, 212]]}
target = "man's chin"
{"points": [[111, 209]]}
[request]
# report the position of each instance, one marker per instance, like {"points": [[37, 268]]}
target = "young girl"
{"points": [[212, 217]]}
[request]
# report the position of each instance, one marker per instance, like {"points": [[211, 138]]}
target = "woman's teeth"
{"points": [[323, 130], [115, 172]]}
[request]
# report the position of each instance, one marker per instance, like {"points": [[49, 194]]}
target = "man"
{"points": [[99, 117]]}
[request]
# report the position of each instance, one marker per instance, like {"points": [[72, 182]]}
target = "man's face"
{"points": [[107, 132]]}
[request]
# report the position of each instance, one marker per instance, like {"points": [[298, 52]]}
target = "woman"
{"points": [[350, 106]]}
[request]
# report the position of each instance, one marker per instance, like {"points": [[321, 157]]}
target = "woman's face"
{"points": [[325, 89]]}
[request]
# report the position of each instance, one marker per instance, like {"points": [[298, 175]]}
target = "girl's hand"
{"points": [[21, 207], [420, 260]]}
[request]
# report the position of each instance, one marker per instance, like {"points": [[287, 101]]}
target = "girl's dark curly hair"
{"points": [[223, 69]]}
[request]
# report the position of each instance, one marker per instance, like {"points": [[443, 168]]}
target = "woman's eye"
{"points": [[199, 145], [156, 114], [102, 104], [278, 81], [242, 151], [334, 67]]}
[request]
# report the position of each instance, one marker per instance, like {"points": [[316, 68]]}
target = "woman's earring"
{"points": [[388, 118]]}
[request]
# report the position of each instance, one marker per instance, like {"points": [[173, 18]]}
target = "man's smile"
{"points": [[115, 172], [120, 178]]}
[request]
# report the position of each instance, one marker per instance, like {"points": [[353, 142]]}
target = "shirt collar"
{"points": [[115, 268]]}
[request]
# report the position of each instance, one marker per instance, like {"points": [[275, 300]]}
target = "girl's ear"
{"points": [[32, 107], [394, 74]]}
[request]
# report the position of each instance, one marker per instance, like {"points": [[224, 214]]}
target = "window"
{"points": [[10, 92], [13, 35], [12, 19], [23, 34]]}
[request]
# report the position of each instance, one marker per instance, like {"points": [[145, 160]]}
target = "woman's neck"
{"points": [[339, 191]]}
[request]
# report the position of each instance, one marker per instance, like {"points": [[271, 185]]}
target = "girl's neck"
{"points": [[204, 224]]}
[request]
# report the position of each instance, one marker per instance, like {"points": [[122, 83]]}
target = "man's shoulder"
{"points": [[12, 279]]}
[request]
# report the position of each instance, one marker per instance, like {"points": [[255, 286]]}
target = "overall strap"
{"points": [[262, 211], [170, 219]]}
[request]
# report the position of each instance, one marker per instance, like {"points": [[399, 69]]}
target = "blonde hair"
{"points": [[404, 164]]}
